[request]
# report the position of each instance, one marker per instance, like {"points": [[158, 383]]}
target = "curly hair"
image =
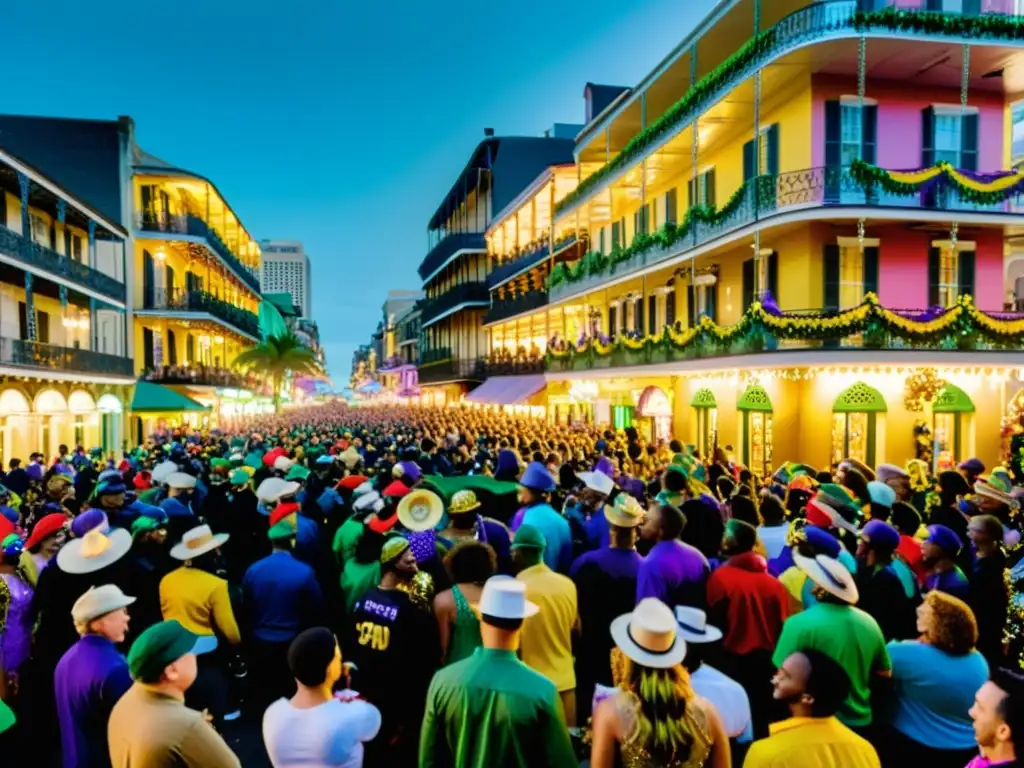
{"points": [[471, 562], [954, 628]]}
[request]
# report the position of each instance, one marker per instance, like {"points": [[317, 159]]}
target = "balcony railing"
{"points": [[448, 247], [31, 253], [467, 293], [435, 355], [757, 200], [504, 308], [188, 224], [500, 272], [452, 370], [200, 375], [180, 300], [508, 365], [34, 354]]}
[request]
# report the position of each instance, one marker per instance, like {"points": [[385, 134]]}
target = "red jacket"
{"points": [[910, 550], [749, 604]]}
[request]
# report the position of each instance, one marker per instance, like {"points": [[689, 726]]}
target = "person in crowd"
{"points": [[318, 726], [15, 617], [987, 593], [939, 555], [546, 643], [907, 521], [774, 528], [934, 680], [92, 676], [150, 725], [585, 514], [953, 487], [281, 598], [887, 587], [815, 687], [469, 564], [882, 499], [654, 714], [847, 634], [998, 717], [972, 469], [896, 478], [492, 709], [198, 598], [750, 606], [466, 522], [46, 537], [729, 698], [673, 572], [534, 487]]}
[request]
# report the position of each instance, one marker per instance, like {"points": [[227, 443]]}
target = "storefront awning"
{"points": [[156, 398], [507, 390]]}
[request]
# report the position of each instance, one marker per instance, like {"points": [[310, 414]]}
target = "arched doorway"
{"points": [[705, 417], [16, 433], [756, 409], [951, 424], [110, 408], [654, 415], [52, 417], [84, 419], [855, 423]]}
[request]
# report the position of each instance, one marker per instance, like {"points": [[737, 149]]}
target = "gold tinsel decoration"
{"points": [[920, 388]]}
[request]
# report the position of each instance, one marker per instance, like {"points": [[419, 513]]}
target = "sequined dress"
{"points": [[15, 621]]}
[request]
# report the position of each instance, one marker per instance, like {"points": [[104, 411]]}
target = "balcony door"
{"points": [[148, 359], [148, 281]]}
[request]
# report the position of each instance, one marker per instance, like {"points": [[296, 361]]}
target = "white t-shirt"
{"points": [[330, 735], [729, 698]]}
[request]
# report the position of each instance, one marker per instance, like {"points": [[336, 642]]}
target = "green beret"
{"points": [[297, 472], [239, 477], [286, 529], [529, 537], [157, 647], [219, 463]]}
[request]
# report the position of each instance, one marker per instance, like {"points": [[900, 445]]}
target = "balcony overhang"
{"points": [[45, 374], [249, 282], [457, 308], [448, 250], [189, 316]]}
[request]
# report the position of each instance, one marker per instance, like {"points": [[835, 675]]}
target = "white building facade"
{"points": [[286, 269]]}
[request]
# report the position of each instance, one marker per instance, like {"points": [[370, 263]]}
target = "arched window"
{"points": [[756, 409], [951, 414], [855, 423], [705, 416]]}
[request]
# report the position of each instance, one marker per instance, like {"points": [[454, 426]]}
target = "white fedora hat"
{"points": [[98, 602], [694, 627], [283, 463], [180, 480], [505, 598], [162, 471], [95, 550], [650, 635], [274, 488], [597, 481], [829, 574], [196, 542]]}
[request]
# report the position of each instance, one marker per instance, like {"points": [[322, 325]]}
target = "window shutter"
{"points": [[773, 275], [615, 235], [871, 270], [833, 133], [748, 283], [691, 305], [965, 279], [172, 348], [149, 357], [969, 142], [710, 188], [637, 223], [53, 235], [600, 239], [622, 232], [638, 316], [613, 313], [691, 193], [933, 276], [831, 265], [928, 137], [713, 303], [748, 160], [652, 313], [869, 126], [773, 151], [670, 308], [671, 204], [22, 321], [190, 348]]}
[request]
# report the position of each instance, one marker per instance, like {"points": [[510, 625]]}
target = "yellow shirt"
{"points": [[200, 602], [546, 643], [811, 742]]}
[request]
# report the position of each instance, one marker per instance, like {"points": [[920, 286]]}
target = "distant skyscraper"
{"points": [[285, 269]]}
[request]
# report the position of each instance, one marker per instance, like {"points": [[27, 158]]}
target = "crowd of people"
{"points": [[456, 587]]}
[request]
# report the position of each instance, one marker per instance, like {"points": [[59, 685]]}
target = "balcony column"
{"points": [[92, 244], [30, 308], [94, 336], [62, 216], [758, 287], [24, 183], [695, 132]]}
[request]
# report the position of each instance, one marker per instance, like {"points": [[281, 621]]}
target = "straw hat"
{"points": [[829, 574], [95, 550], [420, 510], [463, 502], [198, 541], [649, 635], [626, 512]]}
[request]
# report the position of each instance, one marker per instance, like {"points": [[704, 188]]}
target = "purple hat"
{"points": [[508, 464], [411, 472], [10, 514], [537, 478], [422, 545], [945, 539], [881, 535], [822, 541], [973, 466], [34, 471], [604, 466], [87, 521]]}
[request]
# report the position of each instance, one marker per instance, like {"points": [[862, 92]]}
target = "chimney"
{"points": [[489, 133]]}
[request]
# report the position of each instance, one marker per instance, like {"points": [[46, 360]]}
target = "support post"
{"points": [[92, 245]]}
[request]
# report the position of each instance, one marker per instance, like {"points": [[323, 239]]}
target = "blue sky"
{"points": [[340, 124]]}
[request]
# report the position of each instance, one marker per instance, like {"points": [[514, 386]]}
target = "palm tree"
{"points": [[277, 356]]}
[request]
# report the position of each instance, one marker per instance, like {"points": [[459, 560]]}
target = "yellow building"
{"points": [[195, 275], [757, 231], [65, 369]]}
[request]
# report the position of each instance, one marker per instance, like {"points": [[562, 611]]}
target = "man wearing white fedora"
{"points": [[586, 513], [491, 709]]}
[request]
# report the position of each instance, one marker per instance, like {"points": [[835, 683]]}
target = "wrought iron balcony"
{"points": [[524, 261], [30, 253], [448, 247], [504, 308], [179, 300], [470, 294], [36, 355], [200, 375], [189, 224], [508, 365], [452, 370]]}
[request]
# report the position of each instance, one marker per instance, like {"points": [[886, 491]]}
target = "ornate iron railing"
{"points": [[35, 354], [467, 293], [447, 247], [180, 300], [503, 308]]}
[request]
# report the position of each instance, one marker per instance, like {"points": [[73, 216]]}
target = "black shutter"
{"points": [[22, 321], [969, 142], [148, 280], [748, 160], [600, 239], [671, 206], [748, 284], [172, 348], [670, 308], [833, 134], [615, 235], [148, 360], [928, 137], [147, 202], [691, 305], [652, 313], [713, 302], [773, 275], [869, 139], [933, 276], [638, 316], [773, 151], [53, 234], [966, 276], [190, 348], [831, 292], [691, 193], [871, 270], [637, 222], [612, 317], [42, 326], [709, 188]]}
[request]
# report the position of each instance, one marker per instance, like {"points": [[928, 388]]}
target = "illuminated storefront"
{"points": [[855, 424], [705, 416], [756, 409]]}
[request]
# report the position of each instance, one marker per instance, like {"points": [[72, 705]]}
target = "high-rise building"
{"points": [[286, 270]]}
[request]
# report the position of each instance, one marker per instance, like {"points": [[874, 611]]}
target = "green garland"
{"points": [[871, 176], [988, 26]]}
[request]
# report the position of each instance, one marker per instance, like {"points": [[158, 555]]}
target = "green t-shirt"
{"points": [[848, 635]]}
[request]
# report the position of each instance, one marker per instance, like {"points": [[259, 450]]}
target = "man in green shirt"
{"points": [[835, 627], [491, 709]]}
